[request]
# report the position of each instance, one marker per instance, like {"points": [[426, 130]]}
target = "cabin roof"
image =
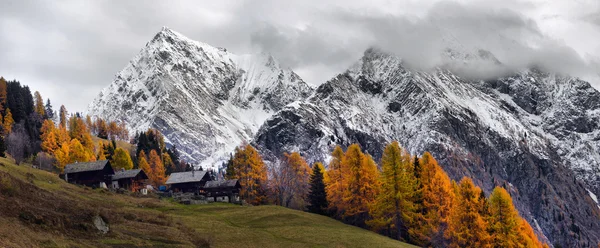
{"points": [[86, 166], [186, 177], [221, 184], [122, 174]]}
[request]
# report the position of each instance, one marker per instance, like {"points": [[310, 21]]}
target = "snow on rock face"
{"points": [[533, 131], [204, 100]]}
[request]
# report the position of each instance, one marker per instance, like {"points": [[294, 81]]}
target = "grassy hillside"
{"points": [[37, 209]]}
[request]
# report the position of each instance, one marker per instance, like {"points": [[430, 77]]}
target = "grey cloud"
{"points": [[70, 50], [421, 41]]}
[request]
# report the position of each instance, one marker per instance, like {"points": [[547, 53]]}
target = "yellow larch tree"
{"points": [[8, 122], [39, 104], [251, 172], [394, 208], [121, 160], [333, 182], [506, 227]]}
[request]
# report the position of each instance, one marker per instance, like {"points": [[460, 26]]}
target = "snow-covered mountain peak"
{"points": [[204, 99]]}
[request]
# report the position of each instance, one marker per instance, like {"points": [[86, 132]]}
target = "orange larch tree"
{"points": [[361, 186], [157, 174], [467, 228], [437, 197]]}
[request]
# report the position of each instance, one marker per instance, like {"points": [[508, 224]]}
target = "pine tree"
{"points": [[317, 196], [8, 122], [3, 94], [394, 208], [63, 116], [360, 187], [49, 111], [467, 228], [334, 183], [39, 104], [230, 170], [121, 160]]}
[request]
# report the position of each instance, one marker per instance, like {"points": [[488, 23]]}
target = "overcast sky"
{"points": [[71, 50]]}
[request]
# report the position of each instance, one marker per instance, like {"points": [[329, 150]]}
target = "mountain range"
{"points": [[534, 132]]}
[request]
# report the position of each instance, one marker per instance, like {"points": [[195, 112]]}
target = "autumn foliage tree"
{"points": [[506, 227], [39, 104], [63, 116], [394, 207], [121, 160], [143, 163], [334, 186], [8, 122], [360, 185], [249, 168], [436, 201], [157, 169], [467, 228], [290, 181]]}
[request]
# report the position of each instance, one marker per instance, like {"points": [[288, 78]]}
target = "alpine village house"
{"points": [[101, 174]]}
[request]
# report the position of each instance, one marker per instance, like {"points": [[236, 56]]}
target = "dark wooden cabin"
{"points": [[91, 174], [223, 190], [188, 182], [132, 180]]}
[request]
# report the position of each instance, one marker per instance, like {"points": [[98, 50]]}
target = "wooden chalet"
{"points": [[93, 174], [132, 180], [223, 190], [188, 182]]}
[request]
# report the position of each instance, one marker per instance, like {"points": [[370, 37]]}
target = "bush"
{"points": [[6, 186]]}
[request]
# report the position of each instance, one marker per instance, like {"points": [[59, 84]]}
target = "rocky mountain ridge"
{"points": [[533, 132]]}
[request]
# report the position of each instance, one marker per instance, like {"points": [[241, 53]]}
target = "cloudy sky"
{"points": [[70, 50]]}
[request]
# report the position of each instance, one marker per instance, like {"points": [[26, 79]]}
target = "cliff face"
{"points": [[204, 100], [534, 132]]}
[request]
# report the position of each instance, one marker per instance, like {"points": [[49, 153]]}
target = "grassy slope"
{"points": [[37, 209]]}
